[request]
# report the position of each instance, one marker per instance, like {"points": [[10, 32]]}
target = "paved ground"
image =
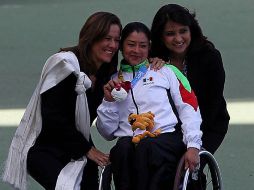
{"points": [[30, 31]]}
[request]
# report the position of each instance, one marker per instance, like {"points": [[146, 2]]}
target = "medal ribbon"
{"points": [[141, 72], [142, 69]]}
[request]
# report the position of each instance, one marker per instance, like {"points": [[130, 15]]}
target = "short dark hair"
{"points": [[134, 27]]}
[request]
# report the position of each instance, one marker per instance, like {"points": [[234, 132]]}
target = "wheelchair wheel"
{"points": [[106, 180], [207, 178]]}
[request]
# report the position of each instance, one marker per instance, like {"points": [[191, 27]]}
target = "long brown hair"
{"points": [[95, 28]]}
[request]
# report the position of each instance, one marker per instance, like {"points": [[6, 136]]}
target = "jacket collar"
{"points": [[125, 67]]}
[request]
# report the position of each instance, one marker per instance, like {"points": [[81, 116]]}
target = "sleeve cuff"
{"points": [[109, 104], [194, 145]]}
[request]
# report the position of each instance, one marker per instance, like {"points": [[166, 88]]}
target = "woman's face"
{"points": [[135, 48], [105, 49], [176, 38]]}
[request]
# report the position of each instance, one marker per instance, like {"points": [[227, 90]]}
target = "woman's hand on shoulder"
{"points": [[156, 63], [192, 159], [98, 157]]}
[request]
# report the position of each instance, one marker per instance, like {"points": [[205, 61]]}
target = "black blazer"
{"points": [[206, 75]]}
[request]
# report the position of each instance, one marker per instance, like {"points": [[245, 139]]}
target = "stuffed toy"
{"points": [[144, 121]]}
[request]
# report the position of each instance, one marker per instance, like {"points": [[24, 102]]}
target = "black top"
{"points": [[58, 106], [206, 75]]}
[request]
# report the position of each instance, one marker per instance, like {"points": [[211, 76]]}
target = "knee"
{"points": [[144, 145], [124, 147]]}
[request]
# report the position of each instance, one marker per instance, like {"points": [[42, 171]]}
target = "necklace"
{"points": [[181, 66], [184, 68]]}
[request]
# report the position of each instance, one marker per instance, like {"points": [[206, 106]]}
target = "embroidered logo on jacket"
{"points": [[148, 80]]}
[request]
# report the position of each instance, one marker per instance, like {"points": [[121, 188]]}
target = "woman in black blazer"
{"points": [[177, 38]]}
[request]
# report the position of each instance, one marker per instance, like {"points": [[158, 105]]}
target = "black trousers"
{"points": [[122, 165], [156, 161], [45, 163], [150, 165]]}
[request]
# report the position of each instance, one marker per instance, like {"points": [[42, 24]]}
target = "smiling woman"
{"points": [[146, 113], [135, 48], [104, 50], [53, 138], [178, 38]]}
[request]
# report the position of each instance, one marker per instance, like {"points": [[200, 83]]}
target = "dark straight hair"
{"points": [[134, 27], [181, 15]]}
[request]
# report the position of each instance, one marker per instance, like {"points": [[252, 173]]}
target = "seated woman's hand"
{"points": [[107, 88], [192, 159]]}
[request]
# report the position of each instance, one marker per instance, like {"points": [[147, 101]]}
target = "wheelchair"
{"points": [[106, 178], [208, 177]]}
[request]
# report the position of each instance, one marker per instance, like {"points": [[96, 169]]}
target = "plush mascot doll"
{"points": [[144, 121]]}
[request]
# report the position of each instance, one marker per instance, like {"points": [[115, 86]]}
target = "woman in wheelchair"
{"points": [[136, 109]]}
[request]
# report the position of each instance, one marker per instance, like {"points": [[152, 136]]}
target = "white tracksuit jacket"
{"points": [[150, 94]]}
